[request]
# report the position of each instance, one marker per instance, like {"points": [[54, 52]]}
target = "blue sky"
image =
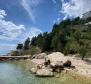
{"points": [[20, 19]]}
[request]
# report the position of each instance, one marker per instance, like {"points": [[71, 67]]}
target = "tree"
{"points": [[56, 43], [19, 47], [46, 41], [69, 36], [83, 51], [27, 44], [15, 53], [72, 46]]}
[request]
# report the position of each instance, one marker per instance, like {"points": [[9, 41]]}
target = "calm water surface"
{"points": [[15, 73]]}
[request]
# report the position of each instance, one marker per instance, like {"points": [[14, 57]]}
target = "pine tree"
{"points": [[27, 44], [19, 47]]}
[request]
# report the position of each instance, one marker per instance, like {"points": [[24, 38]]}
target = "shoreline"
{"points": [[82, 67]]}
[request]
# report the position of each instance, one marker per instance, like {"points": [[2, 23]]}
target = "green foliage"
{"points": [[69, 36], [83, 51], [56, 43], [19, 46], [33, 50], [27, 44], [15, 53], [72, 46]]}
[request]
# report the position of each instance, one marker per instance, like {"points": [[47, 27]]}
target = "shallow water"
{"points": [[16, 73]]}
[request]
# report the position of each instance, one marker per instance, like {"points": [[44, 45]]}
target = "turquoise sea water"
{"points": [[16, 73]]}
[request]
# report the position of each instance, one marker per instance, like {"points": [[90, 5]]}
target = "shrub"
{"points": [[15, 53], [33, 50]]}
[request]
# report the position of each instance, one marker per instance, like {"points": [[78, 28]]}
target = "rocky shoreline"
{"points": [[46, 65]]}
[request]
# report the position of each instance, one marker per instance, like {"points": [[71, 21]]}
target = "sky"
{"points": [[20, 19]]}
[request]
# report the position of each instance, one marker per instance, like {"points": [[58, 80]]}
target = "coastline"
{"points": [[82, 67], [67, 76]]}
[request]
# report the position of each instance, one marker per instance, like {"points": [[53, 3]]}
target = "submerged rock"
{"points": [[44, 73], [34, 70]]}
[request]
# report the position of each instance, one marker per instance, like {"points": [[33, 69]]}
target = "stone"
{"points": [[56, 57], [44, 73], [67, 64], [41, 56], [34, 70], [47, 62]]}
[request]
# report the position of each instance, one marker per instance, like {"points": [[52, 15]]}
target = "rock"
{"points": [[56, 57], [39, 66], [59, 63], [44, 73], [67, 64], [57, 76], [47, 62], [40, 56], [57, 67], [34, 70]]}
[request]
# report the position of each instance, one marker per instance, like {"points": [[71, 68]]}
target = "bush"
{"points": [[33, 50], [83, 52], [15, 53]]}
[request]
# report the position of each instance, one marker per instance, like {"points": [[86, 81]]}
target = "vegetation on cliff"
{"points": [[70, 36]]}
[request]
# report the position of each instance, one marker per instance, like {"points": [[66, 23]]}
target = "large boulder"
{"points": [[56, 57], [44, 73]]}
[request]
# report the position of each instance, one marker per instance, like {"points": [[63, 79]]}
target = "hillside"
{"points": [[70, 36]]}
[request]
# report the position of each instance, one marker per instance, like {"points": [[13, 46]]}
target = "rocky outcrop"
{"points": [[55, 62]]}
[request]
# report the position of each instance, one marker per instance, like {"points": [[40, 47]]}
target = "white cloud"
{"points": [[29, 6], [75, 8], [2, 14], [7, 47], [33, 31], [9, 30], [57, 20]]}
